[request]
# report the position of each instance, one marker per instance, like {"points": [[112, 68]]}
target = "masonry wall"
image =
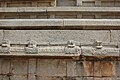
{"points": [[54, 21], [60, 15], [59, 68]]}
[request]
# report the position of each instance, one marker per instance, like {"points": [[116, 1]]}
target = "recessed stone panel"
{"points": [[56, 35]]}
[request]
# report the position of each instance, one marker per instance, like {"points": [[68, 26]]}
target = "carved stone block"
{"points": [[5, 47], [91, 51], [31, 48], [71, 48]]}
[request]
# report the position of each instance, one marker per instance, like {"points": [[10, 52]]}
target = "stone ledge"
{"points": [[60, 9], [58, 22], [91, 50]]}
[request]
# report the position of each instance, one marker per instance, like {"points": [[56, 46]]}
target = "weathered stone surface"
{"points": [[79, 68], [65, 3], [108, 68], [32, 66], [31, 77], [0, 67], [117, 78], [50, 78], [51, 67], [79, 2], [105, 78], [56, 35], [18, 77], [22, 9], [117, 67], [88, 67], [58, 69], [32, 69], [5, 77], [73, 78], [19, 66], [115, 35], [1, 35], [5, 66], [22, 23], [105, 51], [0, 77], [97, 68], [59, 78], [75, 68], [30, 22], [91, 22], [5, 46], [71, 48], [84, 9], [104, 68], [45, 14], [88, 78], [33, 50]]}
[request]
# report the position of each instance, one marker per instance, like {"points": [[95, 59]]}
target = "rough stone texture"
{"points": [[22, 9], [1, 35], [31, 22], [118, 68], [104, 68], [66, 3], [60, 14], [32, 69], [22, 23], [50, 78], [84, 9], [73, 70], [19, 67], [5, 66], [88, 67], [105, 78], [5, 77], [105, 51], [80, 68], [115, 35], [0, 67], [56, 35], [32, 66], [58, 69], [18, 77], [88, 78], [51, 67], [89, 22]]}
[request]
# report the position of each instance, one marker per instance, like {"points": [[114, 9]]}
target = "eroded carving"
{"points": [[98, 49], [31, 48], [71, 48], [5, 46], [98, 44]]}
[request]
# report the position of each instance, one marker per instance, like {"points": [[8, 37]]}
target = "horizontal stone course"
{"points": [[23, 23], [55, 69], [41, 36], [60, 9], [53, 37]]}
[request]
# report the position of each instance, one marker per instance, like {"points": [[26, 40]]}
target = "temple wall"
{"points": [[51, 24], [59, 69]]}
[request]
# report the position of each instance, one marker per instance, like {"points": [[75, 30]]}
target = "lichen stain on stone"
{"points": [[88, 67], [107, 69], [99, 68]]}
